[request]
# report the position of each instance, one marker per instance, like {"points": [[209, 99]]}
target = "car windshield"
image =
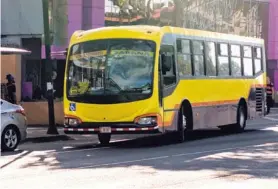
{"points": [[105, 69]]}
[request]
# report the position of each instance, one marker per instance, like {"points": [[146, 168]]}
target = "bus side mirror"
{"points": [[166, 65], [66, 52]]}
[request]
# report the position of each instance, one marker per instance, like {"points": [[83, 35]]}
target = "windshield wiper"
{"points": [[114, 83], [138, 89], [118, 87], [143, 88]]}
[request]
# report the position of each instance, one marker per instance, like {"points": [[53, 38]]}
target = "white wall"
{"points": [[21, 17]]}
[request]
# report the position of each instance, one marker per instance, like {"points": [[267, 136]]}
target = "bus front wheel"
{"points": [[104, 139], [182, 122]]}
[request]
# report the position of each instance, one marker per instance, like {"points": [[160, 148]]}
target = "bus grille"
{"points": [[259, 99]]}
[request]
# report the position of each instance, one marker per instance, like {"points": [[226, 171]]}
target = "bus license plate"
{"points": [[105, 129]]}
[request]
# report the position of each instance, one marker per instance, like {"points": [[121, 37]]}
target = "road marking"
{"points": [[266, 123], [79, 150], [17, 157], [270, 115], [164, 157], [125, 162], [270, 118], [209, 151], [271, 128]]}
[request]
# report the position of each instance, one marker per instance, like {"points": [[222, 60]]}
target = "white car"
{"points": [[13, 125]]}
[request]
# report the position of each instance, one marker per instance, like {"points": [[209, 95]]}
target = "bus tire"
{"points": [[180, 135], [241, 118], [104, 138], [184, 123]]}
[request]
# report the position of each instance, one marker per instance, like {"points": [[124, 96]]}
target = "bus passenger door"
{"points": [[168, 83]]}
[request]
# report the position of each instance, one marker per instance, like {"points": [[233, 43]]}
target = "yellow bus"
{"points": [[148, 79]]}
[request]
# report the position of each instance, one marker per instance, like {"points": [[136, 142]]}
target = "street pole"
{"points": [[52, 127]]}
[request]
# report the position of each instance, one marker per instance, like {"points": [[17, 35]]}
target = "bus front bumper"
{"points": [[112, 130]]}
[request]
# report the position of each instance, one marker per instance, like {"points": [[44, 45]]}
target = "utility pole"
{"points": [[52, 129]]}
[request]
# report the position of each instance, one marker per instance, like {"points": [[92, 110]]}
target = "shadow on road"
{"points": [[21, 155], [169, 139], [256, 155]]}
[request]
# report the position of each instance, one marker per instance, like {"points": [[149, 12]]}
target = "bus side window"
{"points": [[223, 60], [235, 60], [257, 59], [198, 57], [184, 57], [168, 65], [247, 61], [211, 59]]}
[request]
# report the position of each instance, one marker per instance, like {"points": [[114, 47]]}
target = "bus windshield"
{"points": [[110, 71]]}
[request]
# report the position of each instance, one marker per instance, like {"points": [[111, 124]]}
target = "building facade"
{"points": [[21, 27], [256, 18], [273, 45]]}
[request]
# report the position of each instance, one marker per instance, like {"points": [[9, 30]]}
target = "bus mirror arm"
{"points": [[166, 65], [160, 62], [66, 52]]}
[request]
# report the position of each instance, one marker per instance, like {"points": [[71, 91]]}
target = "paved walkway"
{"points": [[39, 134]]}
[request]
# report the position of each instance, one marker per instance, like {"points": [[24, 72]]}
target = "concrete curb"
{"points": [[43, 126], [44, 139]]}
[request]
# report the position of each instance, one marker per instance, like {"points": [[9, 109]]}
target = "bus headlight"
{"points": [[147, 121], [73, 122]]}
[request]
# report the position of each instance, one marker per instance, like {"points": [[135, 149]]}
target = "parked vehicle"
{"points": [[13, 125]]}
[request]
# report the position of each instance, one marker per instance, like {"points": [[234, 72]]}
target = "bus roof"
{"points": [[156, 30], [209, 34]]}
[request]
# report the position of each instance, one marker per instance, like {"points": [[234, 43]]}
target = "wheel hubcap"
{"points": [[184, 121], [242, 119], [10, 138]]}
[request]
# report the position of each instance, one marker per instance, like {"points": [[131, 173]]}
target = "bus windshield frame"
{"points": [[111, 71]]}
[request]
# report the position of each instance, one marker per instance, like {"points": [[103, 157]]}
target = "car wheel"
{"points": [[10, 138]]}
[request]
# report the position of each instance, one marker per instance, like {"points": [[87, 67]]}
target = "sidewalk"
{"points": [[38, 134]]}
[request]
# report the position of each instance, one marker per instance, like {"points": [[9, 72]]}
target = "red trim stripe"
{"points": [[113, 129]]}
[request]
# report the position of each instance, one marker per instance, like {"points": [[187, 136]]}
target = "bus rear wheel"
{"points": [[240, 124], [104, 139], [241, 119]]}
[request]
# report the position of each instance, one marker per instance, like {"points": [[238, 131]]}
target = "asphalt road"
{"points": [[208, 159]]}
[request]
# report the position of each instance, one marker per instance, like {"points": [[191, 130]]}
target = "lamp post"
{"points": [[52, 127]]}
